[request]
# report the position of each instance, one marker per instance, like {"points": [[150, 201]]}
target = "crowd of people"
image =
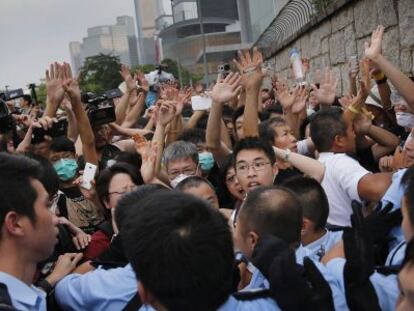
{"points": [[287, 197]]}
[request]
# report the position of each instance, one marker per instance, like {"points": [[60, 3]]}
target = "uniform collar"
{"points": [[21, 292]]}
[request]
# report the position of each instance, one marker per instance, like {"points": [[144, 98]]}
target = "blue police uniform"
{"points": [[394, 194], [113, 289], [259, 281], [322, 245], [386, 287], [23, 296]]}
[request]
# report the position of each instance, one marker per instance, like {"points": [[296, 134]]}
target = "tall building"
{"points": [[183, 40], [145, 15], [119, 40]]}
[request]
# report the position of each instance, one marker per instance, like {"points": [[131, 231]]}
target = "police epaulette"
{"points": [[252, 294], [388, 270]]}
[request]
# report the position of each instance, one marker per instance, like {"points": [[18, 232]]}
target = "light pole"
{"points": [[200, 18]]}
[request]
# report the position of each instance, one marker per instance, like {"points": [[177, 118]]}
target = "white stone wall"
{"points": [[344, 33]]}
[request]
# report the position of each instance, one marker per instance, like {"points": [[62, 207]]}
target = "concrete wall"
{"points": [[342, 34]]}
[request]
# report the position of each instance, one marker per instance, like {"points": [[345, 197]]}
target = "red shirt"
{"points": [[99, 243]]}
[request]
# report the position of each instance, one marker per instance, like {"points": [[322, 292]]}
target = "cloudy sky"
{"points": [[34, 33]]}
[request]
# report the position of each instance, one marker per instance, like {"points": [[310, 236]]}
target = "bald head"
{"points": [[272, 211]]}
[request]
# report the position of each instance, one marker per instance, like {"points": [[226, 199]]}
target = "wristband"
{"points": [[381, 81], [379, 76], [352, 109]]}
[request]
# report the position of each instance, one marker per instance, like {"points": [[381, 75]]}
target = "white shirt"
{"points": [[340, 182], [23, 296]]}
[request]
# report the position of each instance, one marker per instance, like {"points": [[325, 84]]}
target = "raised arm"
{"points": [[308, 166], [54, 89], [250, 68], [401, 82], [71, 87], [225, 90], [130, 82]]}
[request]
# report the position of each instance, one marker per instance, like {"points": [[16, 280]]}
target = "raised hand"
{"points": [[250, 68], [300, 100], [148, 154], [71, 85], [143, 82], [54, 81], [374, 49], [325, 94], [345, 101], [129, 80], [226, 89], [285, 98], [166, 112]]}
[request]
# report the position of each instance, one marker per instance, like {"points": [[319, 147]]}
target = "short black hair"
{"points": [[133, 159], [266, 130], [193, 182], [48, 176], [123, 207], [193, 135], [105, 177], [28, 98], [62, 144], [325, 125], [181, 250], [16, 191], [275, 108], [273, 211], [312, 197], [255, 143], [236, 114]]}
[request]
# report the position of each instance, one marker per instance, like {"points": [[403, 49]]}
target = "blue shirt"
{"points": [[259, 281], [397, 254], [322, 245], [24, 297], [98, 290], [394, 195], [261, 304], [386, 287]]}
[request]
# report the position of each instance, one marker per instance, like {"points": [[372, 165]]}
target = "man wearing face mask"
{"points": [[403, 113], [72, 204], [207, 162]]}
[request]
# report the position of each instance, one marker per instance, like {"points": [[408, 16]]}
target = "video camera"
{"points": [[101, 109], [6, 120]]}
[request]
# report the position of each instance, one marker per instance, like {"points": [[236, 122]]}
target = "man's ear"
{"points": [[275, 170], [339, 141], [306, 225], [252, 239], [146, 296], [14, 223]]}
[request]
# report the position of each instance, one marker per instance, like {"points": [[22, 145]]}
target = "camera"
{"points": [[58, 129], [224, 70], [6, 120], [100, 108]]}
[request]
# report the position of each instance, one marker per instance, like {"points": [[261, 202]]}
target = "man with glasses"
{"points": [[180, 160], [255, 163]]}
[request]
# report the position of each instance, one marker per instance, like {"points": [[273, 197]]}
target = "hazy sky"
{"points": [[34, 33]]}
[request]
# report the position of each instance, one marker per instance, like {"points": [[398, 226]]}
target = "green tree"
{"points": [[100, 73], [41, 93]]}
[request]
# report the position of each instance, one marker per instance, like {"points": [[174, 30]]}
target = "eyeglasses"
{"points": [[124, 190], [244, 167], [187, 171]]}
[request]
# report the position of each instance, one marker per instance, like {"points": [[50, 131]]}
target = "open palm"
{"points": [[227, 89]]}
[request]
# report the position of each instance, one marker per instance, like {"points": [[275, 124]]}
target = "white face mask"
{"points": [[310, 111], [405, 119], [177, 180]]}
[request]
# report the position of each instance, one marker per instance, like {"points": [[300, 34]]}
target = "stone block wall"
{"points": [[337, 37]]}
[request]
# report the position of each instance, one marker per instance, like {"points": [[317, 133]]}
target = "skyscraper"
{"points": [[118, 40]]}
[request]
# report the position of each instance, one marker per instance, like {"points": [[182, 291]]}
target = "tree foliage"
{"points": [[100, 73]]}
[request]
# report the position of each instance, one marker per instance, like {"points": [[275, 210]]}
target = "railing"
{"points": [[295, 17]]}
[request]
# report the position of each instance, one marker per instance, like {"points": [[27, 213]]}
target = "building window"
{"points": [[185, 11]]}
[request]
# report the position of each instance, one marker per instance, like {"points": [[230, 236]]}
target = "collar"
{"points": [[21, 292], [319, 241], [325, 155]]}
